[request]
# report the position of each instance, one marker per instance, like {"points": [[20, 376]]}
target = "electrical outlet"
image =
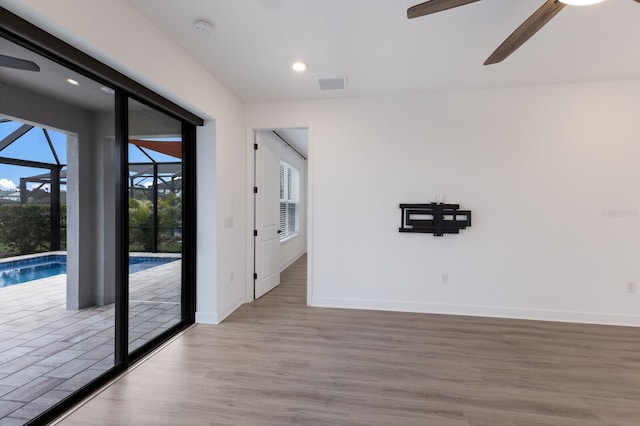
{"points": [[444, 279], [631, 287]]}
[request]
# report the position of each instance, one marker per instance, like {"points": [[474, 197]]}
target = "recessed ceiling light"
{"points": [[72, 81], [107, 90], [299, 66]]}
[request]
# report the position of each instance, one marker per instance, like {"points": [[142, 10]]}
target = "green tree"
{"points": [[170, 223], [141, 223], [25, 228], [170, 211]]}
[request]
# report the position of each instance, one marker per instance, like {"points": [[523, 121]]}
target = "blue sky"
{"points": [[33, 146]]}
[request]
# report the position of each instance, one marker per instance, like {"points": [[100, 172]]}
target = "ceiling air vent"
{"points": [[335, 83]]}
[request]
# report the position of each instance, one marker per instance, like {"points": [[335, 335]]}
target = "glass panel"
{"points": [[155, 223], [56, 281]]}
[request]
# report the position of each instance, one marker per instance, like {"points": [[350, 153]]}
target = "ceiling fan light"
{"points": [[580, 2]]}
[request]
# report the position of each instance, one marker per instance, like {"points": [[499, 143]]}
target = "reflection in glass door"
{"points": [[57, 312], [155, 223], [78, 315]]}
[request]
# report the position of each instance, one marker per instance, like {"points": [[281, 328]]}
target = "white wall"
{"points": [[117, 34], [543, 170], [292, 248]]}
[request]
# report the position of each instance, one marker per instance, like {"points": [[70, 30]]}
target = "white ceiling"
{"points": [[382, 52]]}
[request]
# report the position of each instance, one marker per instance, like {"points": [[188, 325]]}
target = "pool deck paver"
{"points": [[47, 351]]}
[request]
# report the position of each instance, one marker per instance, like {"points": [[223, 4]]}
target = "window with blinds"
{"points": [[289, 195]]}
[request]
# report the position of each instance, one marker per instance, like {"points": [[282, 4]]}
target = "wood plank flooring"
{"points": [[279, 362]]}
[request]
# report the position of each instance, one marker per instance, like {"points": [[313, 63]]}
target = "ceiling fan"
{"points": [[17, 63], [523, 33]]}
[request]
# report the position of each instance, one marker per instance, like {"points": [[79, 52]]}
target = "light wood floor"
{"points": [[278, 362]]}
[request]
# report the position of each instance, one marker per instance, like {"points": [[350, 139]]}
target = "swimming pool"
{"points": [[21, 271]]}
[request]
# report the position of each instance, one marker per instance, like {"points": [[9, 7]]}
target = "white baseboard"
{"points": [[481, 311], [207, 317], [218, 317]]}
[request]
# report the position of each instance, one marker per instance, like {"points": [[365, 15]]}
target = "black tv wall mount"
{"points": [[434, 218]]}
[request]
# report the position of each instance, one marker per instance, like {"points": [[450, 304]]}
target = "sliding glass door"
{"points": [[97, 202], [57, 281], [155, 223]]}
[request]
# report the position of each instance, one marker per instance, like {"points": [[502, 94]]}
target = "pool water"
{"points": [[140, 263], [21, 271]]}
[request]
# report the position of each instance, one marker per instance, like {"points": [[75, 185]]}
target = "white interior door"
{"points": [[267, 219]]}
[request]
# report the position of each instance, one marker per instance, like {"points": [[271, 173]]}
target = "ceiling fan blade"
{"points": [[524, 32], [433, 6], [19, 64]]}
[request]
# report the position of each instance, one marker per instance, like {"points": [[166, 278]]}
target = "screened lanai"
{"points": [[71, 319], [33, 172], [33, 187], [155, 195]]}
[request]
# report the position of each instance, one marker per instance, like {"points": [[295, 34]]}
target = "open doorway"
{"points": [[280, 203]]}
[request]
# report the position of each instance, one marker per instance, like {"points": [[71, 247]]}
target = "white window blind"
{"points": [[289, 195]]}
